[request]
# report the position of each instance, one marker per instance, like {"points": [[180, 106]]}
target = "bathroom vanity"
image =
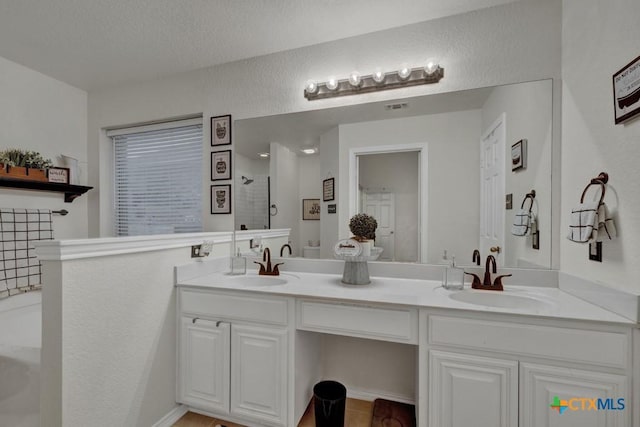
{"points": [[249, 348]]}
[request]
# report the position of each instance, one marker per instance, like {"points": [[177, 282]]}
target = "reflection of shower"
{"points": [[246, 180]]}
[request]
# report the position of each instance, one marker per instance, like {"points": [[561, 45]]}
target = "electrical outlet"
{"points": [[595, 251], [195, 251]]}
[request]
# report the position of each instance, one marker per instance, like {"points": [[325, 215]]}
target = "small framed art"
{"points": [[519, 155], [221, 199], [311, 209], [220, 165], [221, 130], [59, 175], [626, 91], [328, 186]]}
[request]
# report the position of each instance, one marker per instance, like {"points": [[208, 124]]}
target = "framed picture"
{"points": [[221, 130], [626, 91], [220, 165], [311, 209], [519, 155], [221, 199], [59, 175], [328, 190]]}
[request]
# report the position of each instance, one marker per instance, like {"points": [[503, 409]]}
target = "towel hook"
{"points": [[530, 196], [600, 180]]}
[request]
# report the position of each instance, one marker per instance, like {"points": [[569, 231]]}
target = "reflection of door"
{"points": [[382, 207], [492, 190]]}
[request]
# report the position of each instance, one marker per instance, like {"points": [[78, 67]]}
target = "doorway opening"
{"points": [[389, 183]]}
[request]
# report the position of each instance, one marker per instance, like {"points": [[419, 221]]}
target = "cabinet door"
{"points": [[466, 390], [541, 385], [258, 373], [204, 365]]}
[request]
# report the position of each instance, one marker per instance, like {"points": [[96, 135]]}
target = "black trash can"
{"points": [[329, 398]]}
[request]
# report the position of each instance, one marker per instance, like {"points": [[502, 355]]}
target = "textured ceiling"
{"points": [[98, 43]]}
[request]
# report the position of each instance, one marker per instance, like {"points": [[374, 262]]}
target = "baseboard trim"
{"points": [[174, 415], [370, 396]]}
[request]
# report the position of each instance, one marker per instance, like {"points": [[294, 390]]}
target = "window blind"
{"points": [[158, 179]]}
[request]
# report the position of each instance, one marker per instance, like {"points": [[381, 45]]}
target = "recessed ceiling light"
{"points": [[309, 150], [263, 154]]}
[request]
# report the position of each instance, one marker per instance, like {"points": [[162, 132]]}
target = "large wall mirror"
{"points": [[446, 172]]}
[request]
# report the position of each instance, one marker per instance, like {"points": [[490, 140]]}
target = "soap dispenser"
{"points": [[453, 276], [238, 264]]}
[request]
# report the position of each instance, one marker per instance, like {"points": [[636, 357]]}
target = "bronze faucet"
{"points": [[491, 260], [286, 245], [266, 270], [486, 283], [476, 257]]}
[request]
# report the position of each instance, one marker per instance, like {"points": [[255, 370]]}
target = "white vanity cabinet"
{"points": [[468, 390], [492, 370], [232, 356], [203, 377]]}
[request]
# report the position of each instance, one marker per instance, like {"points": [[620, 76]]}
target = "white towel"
{"points": [[522, 222], [590, 223], [606, 227]]}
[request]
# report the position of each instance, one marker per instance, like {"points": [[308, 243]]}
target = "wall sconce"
{"points": [[356, 84]]}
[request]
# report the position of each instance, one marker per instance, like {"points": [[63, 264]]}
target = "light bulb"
{"points": [[404, 73], [378, 76], [311, 87], [332, 84], [431, 67], [354, 79]]}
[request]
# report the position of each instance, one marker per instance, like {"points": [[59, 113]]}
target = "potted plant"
{"points": [[24, 164], [363, 227]]}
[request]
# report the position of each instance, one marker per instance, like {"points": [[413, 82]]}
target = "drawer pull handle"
{"points": [[194, 320], [218, 323]]}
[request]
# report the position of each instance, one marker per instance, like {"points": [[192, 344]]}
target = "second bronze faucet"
{"points": [[490, 266]]}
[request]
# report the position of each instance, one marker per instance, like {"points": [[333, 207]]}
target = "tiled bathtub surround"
{"points": [[20, 270]]}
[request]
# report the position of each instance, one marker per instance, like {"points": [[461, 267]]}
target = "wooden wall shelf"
{"points": [[71, 192]]}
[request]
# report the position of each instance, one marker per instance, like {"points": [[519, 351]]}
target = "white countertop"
{"points": [[545, 301]]}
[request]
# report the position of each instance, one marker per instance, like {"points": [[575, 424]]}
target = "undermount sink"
{"points": [[500, 299], [255, 280]]}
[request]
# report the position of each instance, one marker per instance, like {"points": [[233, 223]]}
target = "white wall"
{"points": [[528, 115], [329, 168], [511, 43], [451, 138], [284, 172], [309, 187], [43, 114], [109, 337], [599, 38], [398, 173]]}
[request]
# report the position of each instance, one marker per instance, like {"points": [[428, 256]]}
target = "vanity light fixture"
{"points": [[431, 72], [264, 155], [309, 150]]}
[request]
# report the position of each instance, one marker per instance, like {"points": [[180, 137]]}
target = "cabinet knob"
{"points": [[194, 320], [495, 249]]}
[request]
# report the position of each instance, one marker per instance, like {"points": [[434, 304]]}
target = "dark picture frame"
{"points": [[221, 199], [626, 92], [59, 175], [328, 190], [221, 165], [311, 209], [519, 155], [221, 130]]}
